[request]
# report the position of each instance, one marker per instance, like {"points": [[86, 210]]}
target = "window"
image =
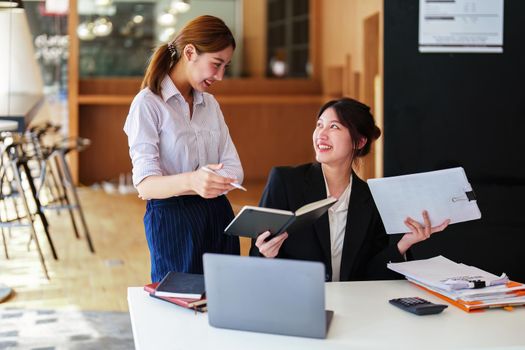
{"points": [[288, 38]]}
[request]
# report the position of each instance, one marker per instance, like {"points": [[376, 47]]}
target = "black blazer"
{"points": [[366, 248]]}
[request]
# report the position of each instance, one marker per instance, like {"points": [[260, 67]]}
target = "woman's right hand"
{"points": [[208, 184], [271, 248]]}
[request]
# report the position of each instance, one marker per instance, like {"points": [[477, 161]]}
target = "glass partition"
{"points": [[117, 37], [48, 26], [288, 38], [115, 40]]}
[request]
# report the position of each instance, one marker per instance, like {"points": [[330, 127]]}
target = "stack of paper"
{"points": [[467, 287]]}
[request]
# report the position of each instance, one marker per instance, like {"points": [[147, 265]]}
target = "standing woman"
{"points": [[351, 240], [175, 129]]}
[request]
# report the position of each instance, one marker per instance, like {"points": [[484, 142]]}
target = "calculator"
{"points": [[418, 306]]}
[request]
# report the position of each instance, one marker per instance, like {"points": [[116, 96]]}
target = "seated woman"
{"points": [[351, 240]]}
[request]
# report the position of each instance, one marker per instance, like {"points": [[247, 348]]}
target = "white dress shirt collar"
{"points": [[169, 90], [343, 200]]}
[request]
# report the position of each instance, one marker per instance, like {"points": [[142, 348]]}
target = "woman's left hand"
{"points": [[418, 232]]}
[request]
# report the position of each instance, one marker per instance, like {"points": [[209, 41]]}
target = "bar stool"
{"points": [[12, 166], [7, 125], [55, 175], [68, 194]]}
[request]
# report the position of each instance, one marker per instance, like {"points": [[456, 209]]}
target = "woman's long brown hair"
{"points": [[206, 33]]}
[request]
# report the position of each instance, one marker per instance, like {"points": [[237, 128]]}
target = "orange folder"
{"points": [[470, 306]]}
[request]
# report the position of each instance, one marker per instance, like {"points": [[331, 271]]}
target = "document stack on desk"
{"points": [[464, 286], [188, 303], [183, 289]]}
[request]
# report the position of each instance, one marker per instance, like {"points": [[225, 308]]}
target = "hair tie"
{"points": [[173, 50]]}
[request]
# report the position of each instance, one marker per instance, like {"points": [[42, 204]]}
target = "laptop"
{"points": [[274, 296]]}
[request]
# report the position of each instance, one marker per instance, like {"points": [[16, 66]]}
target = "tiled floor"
{"points": [[65, 329]]}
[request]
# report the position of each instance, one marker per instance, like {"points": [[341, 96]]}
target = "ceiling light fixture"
{"points": [[180, 6], [167, 19], [85, 31], [8, 4], [102, 26]]}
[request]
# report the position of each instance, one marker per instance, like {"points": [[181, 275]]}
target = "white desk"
{"points": [[363, 320]]}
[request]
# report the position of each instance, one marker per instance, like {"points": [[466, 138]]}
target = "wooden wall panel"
{"points": [[107, 156], [268, 135], [254, 38], [370, 72], [316, 39], [72, 84], [265, 134], [110, 86], [342, 31], [252, 86], [257, 86], [371, 58], [334, 86]]}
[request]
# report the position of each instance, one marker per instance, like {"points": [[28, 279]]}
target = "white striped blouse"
{"points": [[164, 140]]}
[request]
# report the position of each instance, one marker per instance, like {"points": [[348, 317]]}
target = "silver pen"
{"points": [[234, 184]]}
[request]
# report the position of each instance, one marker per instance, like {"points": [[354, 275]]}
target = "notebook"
{"points": [[266, 295], [252, 221], [181, 285]]}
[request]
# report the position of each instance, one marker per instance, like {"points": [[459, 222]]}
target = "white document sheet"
{"points": [[445, 274], [445, 194], [461, 26]]}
